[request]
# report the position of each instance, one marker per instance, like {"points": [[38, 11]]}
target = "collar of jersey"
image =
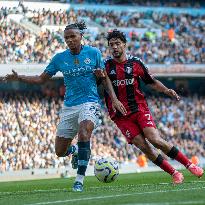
{"points": [[123, 62], [82, 47]]}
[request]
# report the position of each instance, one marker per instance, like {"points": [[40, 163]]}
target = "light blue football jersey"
{"points": [[78, 71]]}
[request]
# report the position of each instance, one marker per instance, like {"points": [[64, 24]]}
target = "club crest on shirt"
{"points": [[87, 61], [128, 70]]}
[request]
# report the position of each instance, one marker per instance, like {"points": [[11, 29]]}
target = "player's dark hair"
{"points": [[78, 25], [116, 34]]}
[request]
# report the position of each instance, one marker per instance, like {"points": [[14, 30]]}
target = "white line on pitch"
{"points": [[98, 187], [169, 203], [111, 196]]}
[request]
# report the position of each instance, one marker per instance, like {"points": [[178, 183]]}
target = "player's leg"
{"points": [[88, 119], [134, 135], [140, 142], [84, 135], [66, 131], [61, 146], [151, 133]]}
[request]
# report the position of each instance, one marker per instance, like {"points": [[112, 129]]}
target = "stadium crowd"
{"points": [[28, 121], [181, 39], [167, 3], [28, 126]]}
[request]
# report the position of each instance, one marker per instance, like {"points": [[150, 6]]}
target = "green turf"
{"points": [[130, 189]]}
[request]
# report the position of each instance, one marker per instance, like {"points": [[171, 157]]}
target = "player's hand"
{"points": [[116, 104], [99, 73], [172, 93], [10, 77]]}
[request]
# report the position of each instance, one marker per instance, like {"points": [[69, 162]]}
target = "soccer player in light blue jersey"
{"points": [[80, 64]]}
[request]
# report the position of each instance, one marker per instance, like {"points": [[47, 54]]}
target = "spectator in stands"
{"points": [[182, 39], [27, 127]]}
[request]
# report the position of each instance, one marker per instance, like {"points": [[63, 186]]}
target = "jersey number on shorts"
{"points": [[148, 116], [95, 110]]}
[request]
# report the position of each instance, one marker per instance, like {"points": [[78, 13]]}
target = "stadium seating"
{"points": [[28, 126], [176, 39], [28, 122]]}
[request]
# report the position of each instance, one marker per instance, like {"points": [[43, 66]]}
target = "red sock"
{"points": [[174, 153], [183, 159], [167, 167], [164, 164]]}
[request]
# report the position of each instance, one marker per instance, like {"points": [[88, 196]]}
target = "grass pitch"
{"points": [[152, 188]]}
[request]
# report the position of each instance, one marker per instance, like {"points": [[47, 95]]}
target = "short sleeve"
{"points": [[145, 75], [100, 62], [52, 68]]}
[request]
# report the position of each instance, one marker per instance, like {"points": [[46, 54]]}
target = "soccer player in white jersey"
{"points": [[81, 108]]}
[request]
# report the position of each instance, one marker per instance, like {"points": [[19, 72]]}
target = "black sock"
{"points": [[173, 152], [70, 150], [83, 157]]}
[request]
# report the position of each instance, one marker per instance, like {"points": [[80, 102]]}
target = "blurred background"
{"points": [[167, 35]]}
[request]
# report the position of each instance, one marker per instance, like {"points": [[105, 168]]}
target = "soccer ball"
{"points": [[106, 170]]}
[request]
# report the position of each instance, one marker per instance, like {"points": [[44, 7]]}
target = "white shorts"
{"points": [[70, 118]]}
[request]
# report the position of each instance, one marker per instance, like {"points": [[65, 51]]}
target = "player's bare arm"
{"points": [[116, 104], [158, 86], [27, 79]]}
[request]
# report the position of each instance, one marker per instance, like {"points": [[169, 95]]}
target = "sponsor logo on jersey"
{"points": [[66, 63], [123, 82], [78, 71]]}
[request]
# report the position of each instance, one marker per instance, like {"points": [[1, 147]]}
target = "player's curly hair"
{"points": [[77, 25], [116, 34]]}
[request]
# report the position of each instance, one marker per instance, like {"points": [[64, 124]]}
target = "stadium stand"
{"points": [[29, 120], [176, 38], [167, 3]]}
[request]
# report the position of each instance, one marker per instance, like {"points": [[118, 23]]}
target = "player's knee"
{"points": [[142, 147], [147, 150], [60, 152], [156, 141], [84, 133], [152, 137]]}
